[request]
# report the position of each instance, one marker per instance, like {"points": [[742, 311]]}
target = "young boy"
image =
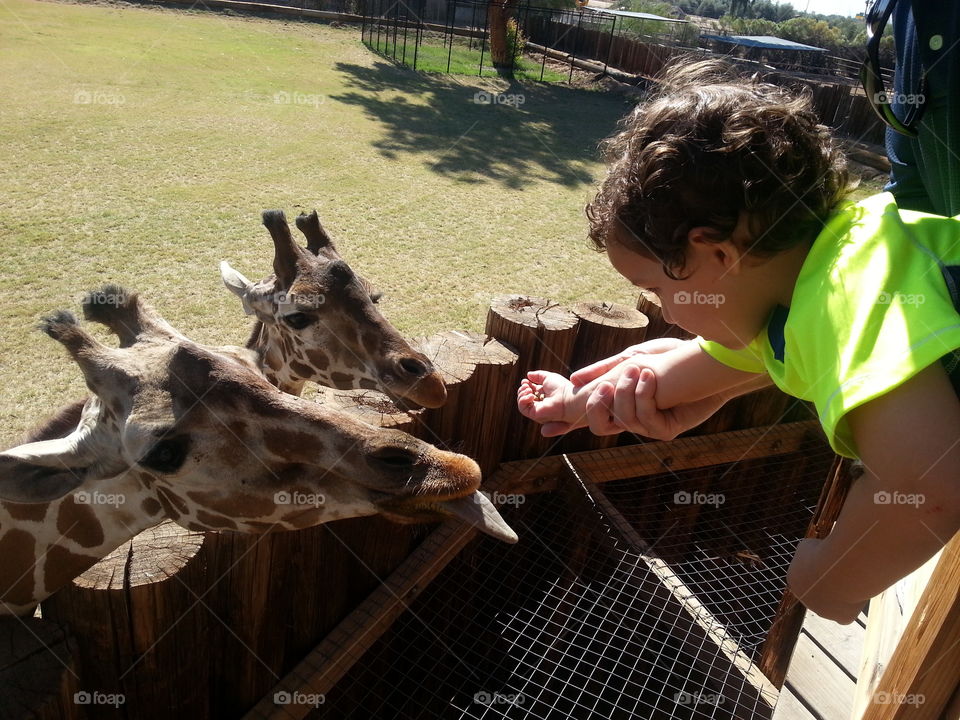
{"points": [[726, 198]]}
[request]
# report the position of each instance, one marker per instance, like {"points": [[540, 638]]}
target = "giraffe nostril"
{"points": [[395, 458], [412, 366]]}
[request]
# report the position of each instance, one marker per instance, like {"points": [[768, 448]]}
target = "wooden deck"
{"points": [[823, 671]]}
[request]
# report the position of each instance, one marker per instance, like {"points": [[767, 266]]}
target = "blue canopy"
{"points": [[630, 14], [768, 42]]}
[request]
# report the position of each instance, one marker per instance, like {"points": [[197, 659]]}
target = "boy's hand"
{"points": [[631, 406], [542, 397], [651, 347]]}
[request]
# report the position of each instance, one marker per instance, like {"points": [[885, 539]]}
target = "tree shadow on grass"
{"points": [[530, 132]]}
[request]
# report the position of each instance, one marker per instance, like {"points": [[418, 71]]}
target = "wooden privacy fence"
{"points": [[204, 625], [839, 102]]}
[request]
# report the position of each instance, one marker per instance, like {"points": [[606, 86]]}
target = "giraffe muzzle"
{"points": [[413, 378]]}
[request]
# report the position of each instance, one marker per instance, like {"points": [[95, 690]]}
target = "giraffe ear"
{"points": [[41, 472], [237, 284]]}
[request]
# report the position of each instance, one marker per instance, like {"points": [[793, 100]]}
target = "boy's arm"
{"points": [[903, 509], [631, 406], [684, 378]]}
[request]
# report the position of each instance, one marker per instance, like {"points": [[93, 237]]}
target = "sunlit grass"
{"points": [[458, 59], [141, 144]]}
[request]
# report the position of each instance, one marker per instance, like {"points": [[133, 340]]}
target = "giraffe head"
{"points": [[207, 441], [319, 321]]}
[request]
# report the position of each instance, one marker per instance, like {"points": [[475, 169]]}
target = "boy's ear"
{"points": [[704, 244]]}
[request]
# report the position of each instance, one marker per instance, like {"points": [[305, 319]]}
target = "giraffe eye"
{"points": [[297, 321], [167, 455]]}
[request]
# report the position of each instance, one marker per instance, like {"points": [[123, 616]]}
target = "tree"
{"points": [[506, 36], [809, 31], [740, 8]]}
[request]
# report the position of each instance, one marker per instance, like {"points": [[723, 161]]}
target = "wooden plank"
{"points": [[842, 643], [953, 707], [789, 707], [922, 674], [319, 671], [543, 474], [821, 684], [889, 613]]}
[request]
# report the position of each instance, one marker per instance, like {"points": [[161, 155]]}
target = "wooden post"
{"points": [[370, 406], [277, 595], [782, 637], [138, 624], [604, 330], [543, 335], [649, 304], [38, 678], [479, 374], [921, 678]]}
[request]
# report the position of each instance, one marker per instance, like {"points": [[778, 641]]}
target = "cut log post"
{"points": [[543, 335], [479, 374], [604, 330], [38, 678], [649, 304], [370, 406], [139, 624], [276, 595]]}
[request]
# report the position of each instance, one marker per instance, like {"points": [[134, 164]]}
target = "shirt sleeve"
{"points": [[747, 360], [889, 314]]}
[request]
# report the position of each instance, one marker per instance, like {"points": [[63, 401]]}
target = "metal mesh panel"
{"points": [[586, 617]]}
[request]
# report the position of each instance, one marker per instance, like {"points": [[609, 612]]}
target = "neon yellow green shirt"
{"points": [[871, 308]]}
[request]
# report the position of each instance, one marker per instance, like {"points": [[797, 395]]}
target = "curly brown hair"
{"points": [[706, 146]]}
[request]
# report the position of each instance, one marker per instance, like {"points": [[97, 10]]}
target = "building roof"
{"points": [[637, 15], [768, 42]]}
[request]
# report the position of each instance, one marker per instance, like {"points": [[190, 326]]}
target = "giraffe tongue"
{"points": [[477, 510]]}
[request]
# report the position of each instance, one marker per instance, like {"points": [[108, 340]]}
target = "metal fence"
{"points": [[461, 28]]}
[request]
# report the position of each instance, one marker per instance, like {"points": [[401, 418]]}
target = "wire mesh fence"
{"points": [[647, 597]]}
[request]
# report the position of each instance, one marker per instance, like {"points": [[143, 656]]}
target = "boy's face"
{"points": [[707, 301]]}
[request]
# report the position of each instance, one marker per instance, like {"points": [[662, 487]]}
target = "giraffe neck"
{"points": [[45, 546], [283, 362]]}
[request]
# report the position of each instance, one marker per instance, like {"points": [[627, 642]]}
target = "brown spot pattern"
{"points": [[233, 506], [217, 522], [34, 512], [304, 371], [79, 522], [287, 444], [151, 506], [318, 359], [339, 378], [174, 506], [18, 550], [61, 566]]}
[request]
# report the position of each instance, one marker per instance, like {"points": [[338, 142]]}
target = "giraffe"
{"points": [[175, 429], [317, 320]]}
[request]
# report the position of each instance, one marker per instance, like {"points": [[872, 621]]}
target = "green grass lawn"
{"points": [[141, 144], [460, 60]]}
